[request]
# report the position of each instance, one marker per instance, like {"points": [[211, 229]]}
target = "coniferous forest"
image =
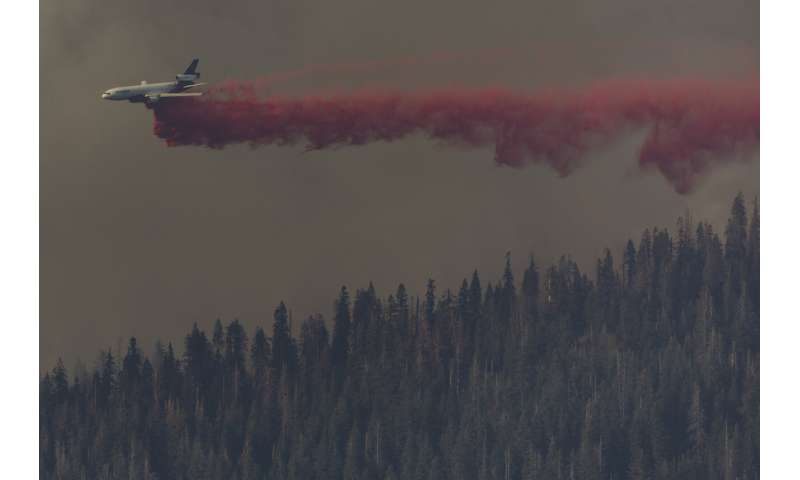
{"points": [[646, 366]]}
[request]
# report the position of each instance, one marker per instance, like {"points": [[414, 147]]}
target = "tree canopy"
{"points": [[646, 368]]}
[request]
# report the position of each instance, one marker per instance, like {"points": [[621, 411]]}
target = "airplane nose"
{"points": [[104, 96]]}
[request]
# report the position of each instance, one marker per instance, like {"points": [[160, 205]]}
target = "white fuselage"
{"points": [[139, 93], [150, 93]]}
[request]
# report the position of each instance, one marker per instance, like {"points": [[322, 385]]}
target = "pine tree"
{"points": [[736, 245], [509, 292], [260, 353], [751, 334], [197, 353], [108, 380], [147, 391], [235, 346], [131, 368], [218, 338], [60, 382], [534, 398], [429, 307], [341, 330], [281, 339], [530, 292], [629, 266]]}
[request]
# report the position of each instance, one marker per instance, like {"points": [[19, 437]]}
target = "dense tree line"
{"points": [[646, 369]]}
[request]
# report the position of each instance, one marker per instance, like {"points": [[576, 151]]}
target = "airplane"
{"points": [[150, 93]]}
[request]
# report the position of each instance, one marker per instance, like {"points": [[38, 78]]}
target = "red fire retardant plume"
{"points": [[690, 126]]}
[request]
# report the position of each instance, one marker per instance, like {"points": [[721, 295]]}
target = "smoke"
{"points": [[442, 59], [690, 126]]}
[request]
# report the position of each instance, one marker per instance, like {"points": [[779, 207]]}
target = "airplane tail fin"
{"points": [[191, 74], [191, 69]]}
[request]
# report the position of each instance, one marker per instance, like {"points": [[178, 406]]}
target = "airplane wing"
{"points": [[156, 97], [171, 95], [192, 85]]}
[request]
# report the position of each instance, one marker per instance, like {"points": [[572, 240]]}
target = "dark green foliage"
{"points": [[648, 369], [260, 354], [283, 349], [341, 329]]}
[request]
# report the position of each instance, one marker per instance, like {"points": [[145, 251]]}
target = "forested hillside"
{"points": [[644, 367]]}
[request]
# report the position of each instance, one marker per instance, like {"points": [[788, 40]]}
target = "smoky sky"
{"points": [[140, 239]]}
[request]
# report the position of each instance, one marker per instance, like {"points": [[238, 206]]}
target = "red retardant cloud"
{"points": [[691, 126]]}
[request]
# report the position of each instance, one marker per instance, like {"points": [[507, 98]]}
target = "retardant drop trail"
{"points": [[692, 126]]}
